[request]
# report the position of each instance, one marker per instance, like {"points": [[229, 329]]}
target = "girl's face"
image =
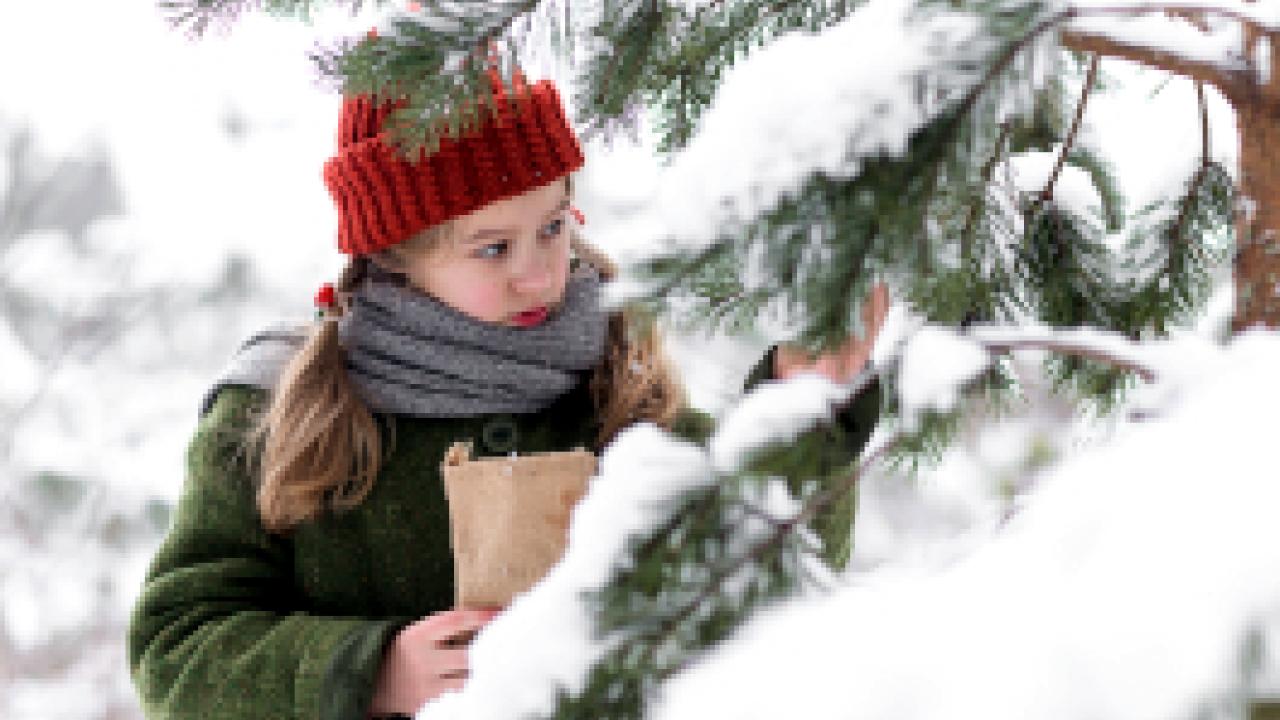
{"points": [[506, 263]]}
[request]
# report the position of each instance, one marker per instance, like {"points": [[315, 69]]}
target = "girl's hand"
{"points": [[425, 660], [844, 363]]}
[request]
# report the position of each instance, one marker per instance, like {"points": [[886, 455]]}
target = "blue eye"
{"points": [[553, 228], [491, 251]]}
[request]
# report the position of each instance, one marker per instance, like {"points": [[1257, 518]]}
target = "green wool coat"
{"points": [[234, 623]]}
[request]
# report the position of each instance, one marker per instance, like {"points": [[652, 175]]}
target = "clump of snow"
{"points": [[1265, 14], [1219, 43], [1136, 581], [776, 412], [20, 377], [1262, 59], [935, 363], [1074, 191]]}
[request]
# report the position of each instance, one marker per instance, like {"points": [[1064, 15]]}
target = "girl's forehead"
{"points": [[509, 213]]}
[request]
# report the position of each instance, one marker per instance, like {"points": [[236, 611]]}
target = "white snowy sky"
{"points": [[113, 74]]}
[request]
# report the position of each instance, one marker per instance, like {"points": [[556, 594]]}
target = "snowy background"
{"points": [[160, 198]]}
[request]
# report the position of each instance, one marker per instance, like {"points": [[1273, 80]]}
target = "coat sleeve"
{"points": [[219, 631]]}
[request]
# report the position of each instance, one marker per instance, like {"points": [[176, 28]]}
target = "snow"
{"points": [[1266, 14], [936, 362], [1220, 47], [1262, 59], [1128, 585], [776, 412], [1073, 190], [20, 376]]}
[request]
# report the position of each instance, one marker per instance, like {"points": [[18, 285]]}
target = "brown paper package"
{"points": [[509, 519]]}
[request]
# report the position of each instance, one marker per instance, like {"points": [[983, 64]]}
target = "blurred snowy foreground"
{"points": [[1134, 579]]}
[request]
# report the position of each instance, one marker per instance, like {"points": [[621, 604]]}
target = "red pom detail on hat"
{"points": [[383, 199], [326, 297]]}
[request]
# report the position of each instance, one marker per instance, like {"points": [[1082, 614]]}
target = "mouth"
{"points": [[529, 318]]}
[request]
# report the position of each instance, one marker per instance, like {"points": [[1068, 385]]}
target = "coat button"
{"points": [[500, 435]]}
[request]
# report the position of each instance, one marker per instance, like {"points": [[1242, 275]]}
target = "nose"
{"points": [[532, 274]]}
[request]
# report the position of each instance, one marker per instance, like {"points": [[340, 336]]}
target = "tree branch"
{"points": [[1066, 347], [1235, 84]]}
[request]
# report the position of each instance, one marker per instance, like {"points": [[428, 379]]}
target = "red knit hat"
{"points": [[383, 199]]}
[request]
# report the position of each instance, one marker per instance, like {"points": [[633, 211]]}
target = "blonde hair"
{"points": [[321, 448]]}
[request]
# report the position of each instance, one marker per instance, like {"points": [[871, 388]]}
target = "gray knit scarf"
{"points": [[409, 354]]}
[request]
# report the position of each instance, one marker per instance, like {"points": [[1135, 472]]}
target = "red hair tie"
{"points": [[326, 300]]}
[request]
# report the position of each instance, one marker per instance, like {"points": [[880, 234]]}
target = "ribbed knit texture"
{"points": [[383, 199]]}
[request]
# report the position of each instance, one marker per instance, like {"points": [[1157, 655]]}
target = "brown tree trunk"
{"points": [[1257, 267]]}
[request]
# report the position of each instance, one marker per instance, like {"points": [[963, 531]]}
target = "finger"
{"points": [[451, 684], [465, 632], [455, 622], [450, 660]]}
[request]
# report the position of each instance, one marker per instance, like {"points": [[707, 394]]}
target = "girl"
{"points": [[308, 573]]}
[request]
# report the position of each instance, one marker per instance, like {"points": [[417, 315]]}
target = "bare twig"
{"points": [[1204, 125], [1184, 207], [1066, 347], [1070, 140]]}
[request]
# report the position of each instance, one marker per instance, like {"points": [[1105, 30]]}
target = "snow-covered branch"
{"points": [[1201, 40]]}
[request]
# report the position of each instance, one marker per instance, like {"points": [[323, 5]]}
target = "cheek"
{"points": [[477, 296], [463, 288]]}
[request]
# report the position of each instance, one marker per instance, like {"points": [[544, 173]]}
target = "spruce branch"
{"points": [[196, 17], [1236, 84], [975, 209]]}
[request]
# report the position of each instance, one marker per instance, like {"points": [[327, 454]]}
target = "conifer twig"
{"points": [[1067, 142], [971, 222]]}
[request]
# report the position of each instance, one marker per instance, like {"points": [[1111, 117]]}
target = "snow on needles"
{"points": [[805, 103], [776, 412], [935, 363], [1132, 584]]}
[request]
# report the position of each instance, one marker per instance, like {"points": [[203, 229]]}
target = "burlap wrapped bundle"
{"points": [[510, 519]]}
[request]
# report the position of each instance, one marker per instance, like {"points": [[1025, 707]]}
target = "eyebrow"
{"points": [[503, 232]]}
